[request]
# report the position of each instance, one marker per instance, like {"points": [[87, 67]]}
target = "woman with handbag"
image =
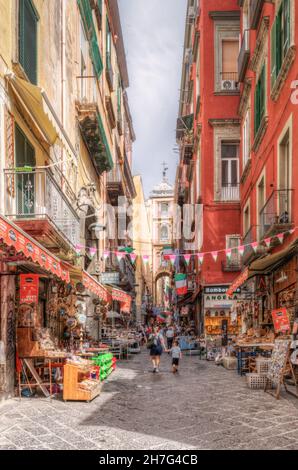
{"points": [[156, 346]]}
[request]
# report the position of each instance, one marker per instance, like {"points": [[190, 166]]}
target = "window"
{"points": [[86, 15], [25, 180], [246, 139], [230, 53], [233, 242], [164, 209], [164, 233], [280, 39], [119, 93], [261, 204], [260, 99], [284, 163], [84, 47], [246, 220], [28, 19], [109, 46], [230, 170]]}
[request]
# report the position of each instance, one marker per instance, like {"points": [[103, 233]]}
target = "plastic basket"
{"points": [[257, 381], [262, 365]]}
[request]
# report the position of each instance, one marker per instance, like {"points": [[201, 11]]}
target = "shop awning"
{"points": [[239, 281], [35, 102], [94, 286], [122, 297], [15, 237], [270, 262]]}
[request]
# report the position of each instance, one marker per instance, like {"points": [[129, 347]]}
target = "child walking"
{"points": [[176, 356]]}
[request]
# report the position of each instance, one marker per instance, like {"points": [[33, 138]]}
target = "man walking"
{"points": [[170, 337]]}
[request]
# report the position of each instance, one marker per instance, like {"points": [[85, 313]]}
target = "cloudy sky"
{"points": [[153, 36]]}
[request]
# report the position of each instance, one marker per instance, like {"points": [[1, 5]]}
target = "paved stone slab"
{"points": [[204, 407]]}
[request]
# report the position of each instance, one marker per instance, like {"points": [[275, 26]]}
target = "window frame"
{"points": [[22, 4]]}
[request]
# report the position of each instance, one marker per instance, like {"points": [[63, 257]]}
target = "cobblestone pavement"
{"points": [[204, 407]]}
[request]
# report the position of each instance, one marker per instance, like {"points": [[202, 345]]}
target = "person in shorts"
{"points": [[176, 355]]}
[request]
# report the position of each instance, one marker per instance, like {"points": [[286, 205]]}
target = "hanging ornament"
{"points": [[133, 257], [172, 259], [201, 257], [145, 259], [187, 259], [106, 255], [92, 251], [254, 246], [268, 242], [214, 255], [280, 237], [241, 249], [79, 248], [120, 256], [228, 254], [291, 231]]}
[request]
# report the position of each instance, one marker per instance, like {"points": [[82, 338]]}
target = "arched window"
{"points": [[164, 232]]}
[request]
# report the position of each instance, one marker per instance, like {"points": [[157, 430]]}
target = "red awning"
{"points": [[94, 286], [123, 298], [13, 236], [239, 281]]}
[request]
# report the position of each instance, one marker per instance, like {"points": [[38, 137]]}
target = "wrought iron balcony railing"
{"points": [[276, 213], [244, 54], [36, 195], [230, 192]]}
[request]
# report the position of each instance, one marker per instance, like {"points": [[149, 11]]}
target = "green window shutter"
{"points": [[28, 19], [86, 14], [256, 108], [287, 26], [262, 93], [95, 56], [279, 42], [273, 54], [99, 2]]}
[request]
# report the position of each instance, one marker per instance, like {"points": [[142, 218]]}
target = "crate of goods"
{"points": [[78, 383], [257, 381], [262, 365]]}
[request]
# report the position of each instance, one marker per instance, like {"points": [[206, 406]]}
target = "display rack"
{"points": [[78, 384], [106, 362]]}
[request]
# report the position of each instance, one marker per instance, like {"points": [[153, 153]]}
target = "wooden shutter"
{"points": [[273, 54], [287, 26], [28, 39], [86, 14], [95, 56], [262, 92], [257, 108]]}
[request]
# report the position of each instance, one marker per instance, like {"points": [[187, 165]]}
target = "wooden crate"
{"points": [[73, 375]]}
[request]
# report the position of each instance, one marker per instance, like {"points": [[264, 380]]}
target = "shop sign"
{"points": [[281, 320], [220, 301], [219, 290], [110, 278], [29, 287]]}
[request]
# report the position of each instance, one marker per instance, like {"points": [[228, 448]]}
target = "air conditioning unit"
{"points": [[229, 85]]}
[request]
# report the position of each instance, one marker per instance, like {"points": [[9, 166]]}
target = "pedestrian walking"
{"points": [[176, 355], [170, 337], [156, 346]]}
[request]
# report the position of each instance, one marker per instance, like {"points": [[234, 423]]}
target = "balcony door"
{"points": [[285, 184], [25, 177], [230, 171]]}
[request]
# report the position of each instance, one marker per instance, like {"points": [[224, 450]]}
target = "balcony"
{"points": [[232, 266], [229, 82], [119, 123], [276, 215], [37, 203], [244, 55], [91, 124], [115, 186], [256, 7], [230, 192], [249, 253]]}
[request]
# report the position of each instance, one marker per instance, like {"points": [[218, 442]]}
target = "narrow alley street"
{"points": [[204, 407]]}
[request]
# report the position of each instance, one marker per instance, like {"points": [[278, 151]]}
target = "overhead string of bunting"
{"points": [[172, 257]]}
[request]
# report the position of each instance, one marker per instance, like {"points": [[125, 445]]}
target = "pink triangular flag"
{"points": [[172, 259], [228, 253], [79, 248], [92, 251], [201, 257], [214, 255], [133, 257], [187, 259], [280, 237], [106, 255], [254, 246], [120, 256], [291, 231], [241, 249], [268, 242], [145, 259]]}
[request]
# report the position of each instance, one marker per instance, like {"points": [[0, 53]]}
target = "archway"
{"points": [[162, 282]]}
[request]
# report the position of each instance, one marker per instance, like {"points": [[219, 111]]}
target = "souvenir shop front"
{"points": [[29, 276]]}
